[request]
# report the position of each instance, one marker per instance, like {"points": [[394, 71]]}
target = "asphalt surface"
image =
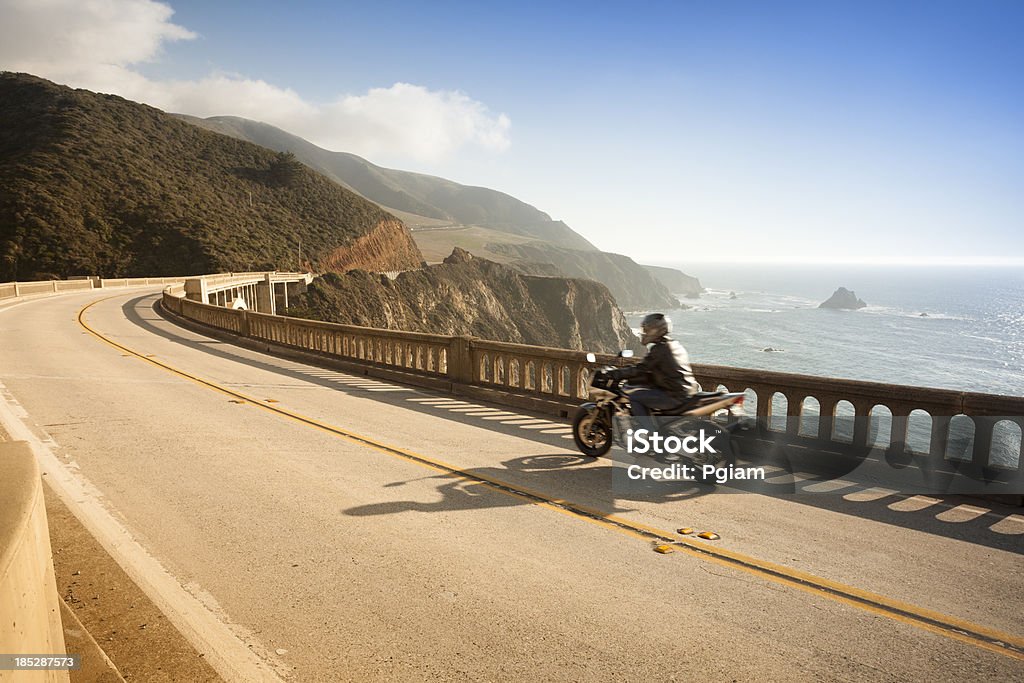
{"points": [[334, 559]]}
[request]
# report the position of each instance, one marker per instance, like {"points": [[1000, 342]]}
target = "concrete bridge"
{"points": [[325, 502], [264, 292]]}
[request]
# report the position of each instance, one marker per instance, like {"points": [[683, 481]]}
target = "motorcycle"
{"points": [[594, 426]]}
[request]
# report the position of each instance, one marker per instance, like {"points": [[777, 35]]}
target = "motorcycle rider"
{"points": [[663, 380]]}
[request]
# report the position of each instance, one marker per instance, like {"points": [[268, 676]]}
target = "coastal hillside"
{"points": [[676, 281], [96, 184], [415, 194], [633, 286], [443, 215], [473, 296]]}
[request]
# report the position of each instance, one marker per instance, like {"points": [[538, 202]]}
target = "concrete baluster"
{"points": [[826, 418], [940, 438], [794, 413], [983, 428], [460, 360], [862, 412], [898, 432]]}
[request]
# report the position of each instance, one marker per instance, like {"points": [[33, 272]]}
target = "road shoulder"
{"points": [[137, 638]]}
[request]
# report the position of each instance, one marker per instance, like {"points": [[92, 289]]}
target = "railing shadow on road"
{"points": [[592, 490], [826, 484], [591, 482], [995, 525]]}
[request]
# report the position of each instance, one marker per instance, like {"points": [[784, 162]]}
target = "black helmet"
{"points": [[654, 327]]}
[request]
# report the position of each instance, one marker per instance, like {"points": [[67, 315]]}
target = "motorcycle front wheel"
{"points": [[592, 434]]}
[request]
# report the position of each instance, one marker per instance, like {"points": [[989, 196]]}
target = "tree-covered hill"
{"points": [[96, 184]]}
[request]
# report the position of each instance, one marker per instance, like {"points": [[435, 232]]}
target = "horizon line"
{"points": [[991, 263]]}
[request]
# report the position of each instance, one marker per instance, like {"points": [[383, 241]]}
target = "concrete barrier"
{"points": [[216, 282], [30, 620], [16, 290]]}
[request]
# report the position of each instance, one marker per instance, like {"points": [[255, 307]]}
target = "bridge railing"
{"points": [[229, 280], [559, 375], [937, 424], [11, 290], [424, 354]]}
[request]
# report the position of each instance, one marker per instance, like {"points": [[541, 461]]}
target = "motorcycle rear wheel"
{"points": [[592, 434]]}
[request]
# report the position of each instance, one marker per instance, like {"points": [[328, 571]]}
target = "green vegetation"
{"points": [[285, 169], [423, 198], [95, 184]]}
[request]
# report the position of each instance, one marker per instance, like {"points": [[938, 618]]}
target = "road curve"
{"points": [[458, 540]]}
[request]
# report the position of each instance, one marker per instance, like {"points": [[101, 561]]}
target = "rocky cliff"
{"points": [[467, 295], [388, 246]]}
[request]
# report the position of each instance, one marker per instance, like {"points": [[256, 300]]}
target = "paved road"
{"points": [[335, 559]]}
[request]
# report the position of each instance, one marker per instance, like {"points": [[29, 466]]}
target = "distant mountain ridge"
{"points": [[632, 285], [414, 193], [486, 222], [677, 282]]}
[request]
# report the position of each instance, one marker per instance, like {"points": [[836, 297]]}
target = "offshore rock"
{"points": [[843, 298]]}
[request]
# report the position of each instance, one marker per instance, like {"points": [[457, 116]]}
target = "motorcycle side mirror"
{"points": [[626, 353], [591, 358]]}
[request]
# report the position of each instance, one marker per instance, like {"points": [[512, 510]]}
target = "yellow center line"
{"points": [[903, 612]]}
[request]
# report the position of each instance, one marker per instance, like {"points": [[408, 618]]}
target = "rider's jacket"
{"points": [[666, 366]]}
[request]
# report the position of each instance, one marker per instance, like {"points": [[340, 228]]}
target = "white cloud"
{"points": [[95, 44], [425, 123]]}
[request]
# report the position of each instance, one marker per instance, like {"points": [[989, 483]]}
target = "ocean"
{"points": [[971, 337]]}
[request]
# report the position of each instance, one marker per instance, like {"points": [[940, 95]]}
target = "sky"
{"points": [[679, 132]]}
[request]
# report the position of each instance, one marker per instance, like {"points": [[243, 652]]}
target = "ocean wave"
{"points": [[971, 339], [904, 313], [984, 338], [935, 316]]}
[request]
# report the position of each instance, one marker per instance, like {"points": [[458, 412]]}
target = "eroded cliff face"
{"points": [[387, 246], [467, 295], [634, 287]]}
